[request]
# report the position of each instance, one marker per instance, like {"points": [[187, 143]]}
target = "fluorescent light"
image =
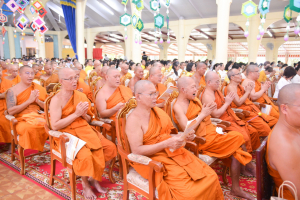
{"points": [[270, 34], [203, 35], [107, 9]]}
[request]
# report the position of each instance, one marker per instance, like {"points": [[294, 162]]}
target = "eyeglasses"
{"points": [[29, 73], [152, 95], [70, 79]]}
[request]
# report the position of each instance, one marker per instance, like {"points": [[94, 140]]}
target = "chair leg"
{"points": [[22, 159], [111, 168], [52, 173], [224, 170], [13, 150], [125, 191], [72, 183], [120, 167]]}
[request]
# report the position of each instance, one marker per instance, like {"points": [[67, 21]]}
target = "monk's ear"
{"points": [[283, 109]]}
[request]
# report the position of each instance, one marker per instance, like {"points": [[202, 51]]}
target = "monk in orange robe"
{"points": [[198, 76], [13, 70], [138, 75], [102, 81], [35, 68], [70, 112], [263, 123], [41, 66], [82, 86], [224, 111], [229, 147], [5, 135], [49, 78], [258, 94], [4, 69], [155, 76], [83, 74], [24, 100], [148, 129], [125, 75], [283, 154]]}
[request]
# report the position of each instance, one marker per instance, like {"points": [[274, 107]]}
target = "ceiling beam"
{"points": [[105, 39], [193, 38], [197, 48], [171, 36], [186, 49], [153, 35], [51, 18], [243, 46], [94, 6], [233, 50], [205, 34], [109, 36], [196, 8], [143, 47], [271, 31], [230, 37]]}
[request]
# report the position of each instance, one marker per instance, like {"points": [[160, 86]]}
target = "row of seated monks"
{"points": [[150, 129]]}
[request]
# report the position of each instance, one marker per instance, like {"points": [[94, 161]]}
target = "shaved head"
{"points": [[153, 70], [200, 65], [139, 87], [289, 94], [111, 70], [137, 68], [251, 68], [104, 69], [183, 82], [210, 76], [63, 72], [24, 67]]}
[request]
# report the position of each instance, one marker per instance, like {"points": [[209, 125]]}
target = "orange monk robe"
{"points": [[37, 76], [202, 81], [217, 145], [83, 74], [4, 73], [43, 72], [249, 133], [264, 99], [276, 176], [125, 78], [90, 160], [185, 176], [5, 135], [16, 80], [86, 89], [263, 123], [31, 136], [52, 79], [161, 88]]}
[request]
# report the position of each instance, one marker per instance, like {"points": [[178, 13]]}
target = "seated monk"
{"points": [[98, 71], [138, 75], [4, 69], [35, 69], [224, 111], [83, 74], [102, 81], [229, 147], [24, 100], [283, 146], [125, 75], [70, 112], [149, 130], [263, 123], [198, 76], [258, 94], [81, 85], [5, 135], [155, 76], [49, 77], [13, 70], [41, 66]]}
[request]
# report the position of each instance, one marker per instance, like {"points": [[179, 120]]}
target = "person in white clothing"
{"points": [[288, 74], [174, 72], [296, 78]]}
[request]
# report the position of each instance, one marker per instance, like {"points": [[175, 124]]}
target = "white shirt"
{"points": [[222, 73], [296, 79], [281, 83]]}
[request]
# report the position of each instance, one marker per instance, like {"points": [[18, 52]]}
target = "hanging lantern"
{"points": [[264, 8], [295, 6], [287, 15], [125, 20], [168, 3], [249, 9]]}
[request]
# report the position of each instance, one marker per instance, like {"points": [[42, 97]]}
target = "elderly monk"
{"points": [[102, 81], [263, 123], [229, 147], [5, 135], [82, 86], [49, 77], [258, 93], [138, 75], [198, 76], [13, 71], [112, 96], [24, 100], [70, 112], [149, 130], [283, 146], [155, 76], [224, 111], [35, 69], [125, 75]]}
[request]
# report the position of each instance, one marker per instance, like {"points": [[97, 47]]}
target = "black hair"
{"points": [[289, 72], [227, 65], [189, 67], [175, 64]]}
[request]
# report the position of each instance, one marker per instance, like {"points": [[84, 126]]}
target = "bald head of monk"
{"points": [[145, 93], [13, 70], [139, 72], [104, 71], [97, 63], [48, 70], [187, 87], [201, 69], [68, 79], [124, 68], [98, 70], [158, 64], [78, 65], [212, 80], [35, 68], [234, 75], [26, 74], [155, 75], [252, 72], [77, 72], [113, 77]]}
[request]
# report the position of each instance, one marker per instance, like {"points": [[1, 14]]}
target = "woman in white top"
{"points": [[174, 72], [288, 74], [296, 78]]}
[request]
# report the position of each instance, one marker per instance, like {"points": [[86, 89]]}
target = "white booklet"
{"points": [[73, 146], [168, 92], [266, 109]]}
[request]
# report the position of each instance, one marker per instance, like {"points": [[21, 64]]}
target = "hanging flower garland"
{"points": [[294, 6], [287, 15], [264, 8], [125, 19], [249, 9]]}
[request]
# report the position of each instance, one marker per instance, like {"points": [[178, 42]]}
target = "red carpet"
{"points": [[38, 170]]}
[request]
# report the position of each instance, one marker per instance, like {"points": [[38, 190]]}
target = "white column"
{"points": [[253, 43], [11, 40], [90, 43], [182, 39], [80, 10], [163, 54], [130, 45], [222, 30], [41, 45], [60, 38]]}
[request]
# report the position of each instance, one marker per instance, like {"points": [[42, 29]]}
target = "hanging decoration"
{"points": [[287, 15], [125, 19], [168, 3], [12, 5], [32, 9], [249, 9], [295, 5], [3, 34], [136, 20], [22, 3], [3, 18], [264, 8]]}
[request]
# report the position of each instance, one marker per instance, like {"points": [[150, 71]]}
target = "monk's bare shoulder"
{"points": [[133, 121], [207, 98], [245, 82], [231, 88]]}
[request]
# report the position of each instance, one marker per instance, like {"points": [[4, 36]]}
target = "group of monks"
{"points": [[151, 131]]}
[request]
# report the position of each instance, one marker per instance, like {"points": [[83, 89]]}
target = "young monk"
{"points": [[70, 112], [258, 94], [198, 76], [103, 73], [125, 75], [224, 111], [49, 77], [35, 69], [263, 123], [138, 75], [24, 100], [155, 76], [148, 129], [13, 70], [283, 147], [229, 147]]}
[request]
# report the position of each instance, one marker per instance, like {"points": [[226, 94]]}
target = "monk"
{"points": [[258, 94], [23, 101], [41, 66], [98, 71], [149, 130], [229, 147], [5, 135], [97, 63], [283, 146], [198, 76], [125, 75], [70, 112], [224, 111], [263, 123], [35, 69], [83, 74], [13, 71], [138, 75], [82, 86], [155, 76], [4, 69], [49, 77], [102, 81]]}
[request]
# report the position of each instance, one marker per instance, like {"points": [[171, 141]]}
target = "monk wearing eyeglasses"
{"points": [[81, 85], [155, 76], [13, 71]]}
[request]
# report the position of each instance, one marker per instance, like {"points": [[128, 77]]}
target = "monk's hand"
{"points": [[119, 106], [33, 95], [230, 97], [80, 90], [81, 109], [249, 87], [191, 136], [207, 109], [266, 85], [175, 142]]}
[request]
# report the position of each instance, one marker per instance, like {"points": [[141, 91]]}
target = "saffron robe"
{"points": [[52, 79], [86, 89], [31, 136], [16, 80], [83, 74], [217, 145], [90, 160], [202, 81], [37, 76], [262, 123], [185, 176], [5, 134], [161, 88]]}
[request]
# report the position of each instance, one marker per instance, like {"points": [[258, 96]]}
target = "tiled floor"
{"points": [[14, 187]]}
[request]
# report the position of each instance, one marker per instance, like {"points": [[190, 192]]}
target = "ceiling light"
{"points": [[269, 33], [108, 10], [203, 35]]}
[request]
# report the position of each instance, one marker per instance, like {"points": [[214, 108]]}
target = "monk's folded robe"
{"points": [[5, 135], [31, 136], [262, 123], [86, 89], [52, 79], [217, 145], [264, 99], [185, 176], [202, 81], [125, 79], [37, 76], [249, 133], [161, 88], [16, 80], [276, 176], [90, 160], [82, 74]]}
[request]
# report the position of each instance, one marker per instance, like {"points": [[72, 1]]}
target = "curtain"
{"points": [[18, 46], [97, 53], [69, 9], [85, 53]]}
